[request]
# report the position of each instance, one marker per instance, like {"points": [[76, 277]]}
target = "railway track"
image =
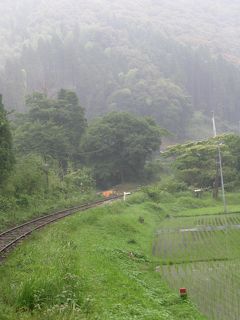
{"points": [[10, 238]]}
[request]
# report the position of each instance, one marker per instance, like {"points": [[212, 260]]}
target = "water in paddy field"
{"points": [[212, 286], [203, 255]]}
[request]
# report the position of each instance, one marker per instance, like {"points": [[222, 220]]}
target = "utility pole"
{"points": [[220, 165]]}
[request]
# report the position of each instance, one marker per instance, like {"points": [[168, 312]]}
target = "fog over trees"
{"points": [[104, 100], [174, 61]]}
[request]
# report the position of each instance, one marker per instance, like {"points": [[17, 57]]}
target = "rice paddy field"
{"points": [[202, 254], [104, 264]]}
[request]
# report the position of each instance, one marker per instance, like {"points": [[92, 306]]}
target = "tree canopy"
{"points": [[52, 127], [196, 163], [118, 145], [131, 56], [6, 151]]}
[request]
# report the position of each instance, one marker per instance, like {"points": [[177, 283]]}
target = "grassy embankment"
{"points": [[40, 206], [99, 264], [94, 265]]}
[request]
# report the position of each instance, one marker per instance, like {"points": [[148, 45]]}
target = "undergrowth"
{"points": [[99, 264], [94, 265], [37, 206]]}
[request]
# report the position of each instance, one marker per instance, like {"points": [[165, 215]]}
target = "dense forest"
{"points": [[128, 72], [51, 155], [151, 58]]}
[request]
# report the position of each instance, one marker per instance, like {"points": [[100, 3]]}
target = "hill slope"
{"points": [[172, 61]]}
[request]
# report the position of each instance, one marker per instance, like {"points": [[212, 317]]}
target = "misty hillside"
{"points": [[173, 61]]}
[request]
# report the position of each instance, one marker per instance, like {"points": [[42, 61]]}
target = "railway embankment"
{"points": [[93, 265]]}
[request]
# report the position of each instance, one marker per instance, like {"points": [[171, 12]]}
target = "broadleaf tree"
{"points": [[197, 163], [118, 145], [52, 127], [6, 150]]}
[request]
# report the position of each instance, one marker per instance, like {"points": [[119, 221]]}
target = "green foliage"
{"points": [[34, 187], [172, 185], [6, 203], [80, 179], [52, 127], [195, 163], [110, 254], [153, 170], [165, 101], [28, 177], [114, 62], [165, 191], [118, 146], [6, 152]]}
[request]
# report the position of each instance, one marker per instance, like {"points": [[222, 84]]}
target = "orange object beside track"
{"points": [[108, 193]]}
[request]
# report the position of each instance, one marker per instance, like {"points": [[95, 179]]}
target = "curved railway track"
{"points": [[9, 238]]}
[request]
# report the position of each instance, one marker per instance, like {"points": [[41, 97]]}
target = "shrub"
{"points": [[157, 194], [6, 203], [81, 180], [152, 170], [172, 186]]}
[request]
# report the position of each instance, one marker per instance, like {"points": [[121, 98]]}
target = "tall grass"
{"points": [[38, 206], [95, 265]]}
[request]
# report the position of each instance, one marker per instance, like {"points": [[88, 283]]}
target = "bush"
{"points": [[190, 202], [28, 177], [136, 198], [80, 180], [6, 203], [156, 194], [152, 170], [173, 186], [22, 201]]}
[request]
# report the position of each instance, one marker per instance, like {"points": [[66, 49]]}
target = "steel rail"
{"points": [[10, 237]]}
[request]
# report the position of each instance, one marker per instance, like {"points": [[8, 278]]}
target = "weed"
{"points": [[85, 272]]}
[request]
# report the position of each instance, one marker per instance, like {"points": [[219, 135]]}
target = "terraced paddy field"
{"points": [[203, 254]]}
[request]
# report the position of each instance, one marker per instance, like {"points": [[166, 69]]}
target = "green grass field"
{"points": [[127, 261], [94, 265]]}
